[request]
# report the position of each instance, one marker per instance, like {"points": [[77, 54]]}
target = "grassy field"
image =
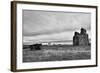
{"points": [[57, 53]]}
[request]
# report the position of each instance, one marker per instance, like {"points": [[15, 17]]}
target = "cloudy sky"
{"points": [[44, 26]]}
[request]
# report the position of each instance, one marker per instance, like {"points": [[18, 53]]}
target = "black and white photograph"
{"points": [[53, 36], [56, 36]]}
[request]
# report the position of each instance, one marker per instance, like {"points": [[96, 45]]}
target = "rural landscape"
{"points": [[80, 50], [56, 36]]}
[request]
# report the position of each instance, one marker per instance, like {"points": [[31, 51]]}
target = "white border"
{"points": [[21, 65]]}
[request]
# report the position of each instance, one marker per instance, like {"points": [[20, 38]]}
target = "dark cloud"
{"points": [[48, 32]]}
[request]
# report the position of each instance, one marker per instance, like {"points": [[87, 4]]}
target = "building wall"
{"points": [[83, 40]]}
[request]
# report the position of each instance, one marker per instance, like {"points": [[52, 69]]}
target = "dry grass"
{"points": [[57, 53]]}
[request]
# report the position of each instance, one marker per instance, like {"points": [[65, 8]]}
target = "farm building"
{"points": [[81, 38]]}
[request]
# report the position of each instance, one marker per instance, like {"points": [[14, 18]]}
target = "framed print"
{"points": [[47, 36]]}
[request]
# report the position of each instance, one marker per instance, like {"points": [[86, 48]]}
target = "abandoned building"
{"points": [[81, 38]]}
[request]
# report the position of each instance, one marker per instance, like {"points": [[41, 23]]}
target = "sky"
{"points": [[46, 26]]}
